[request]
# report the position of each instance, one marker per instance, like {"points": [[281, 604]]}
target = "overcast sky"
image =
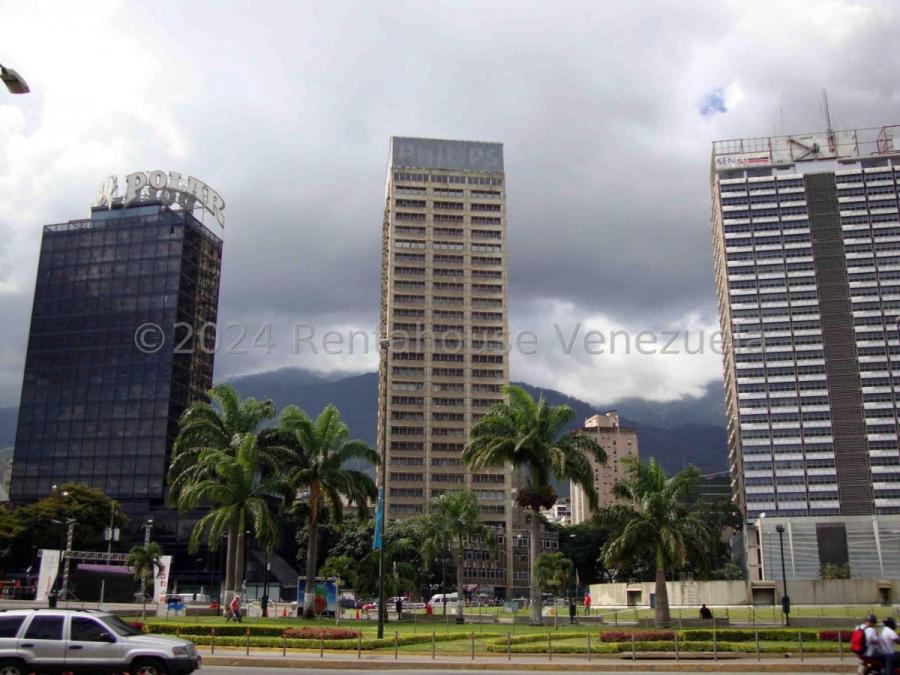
{"points": [[607, 111]]}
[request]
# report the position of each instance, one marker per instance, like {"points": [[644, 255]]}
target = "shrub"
{"points": [[747, 635], [639, 636], [137, 625], [832, 635], [313, 633]]}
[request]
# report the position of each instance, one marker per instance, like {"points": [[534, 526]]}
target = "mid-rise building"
{"points": [[123, 318], [807, 255], [560, 513], [618, 442], [444, 307]]}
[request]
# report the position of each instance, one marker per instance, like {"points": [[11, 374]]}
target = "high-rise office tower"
{"points": [[122, 324], [619, 442], [444, 305], [807, 242]]}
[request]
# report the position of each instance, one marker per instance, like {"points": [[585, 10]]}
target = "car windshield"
{"points": [[121, 627]]}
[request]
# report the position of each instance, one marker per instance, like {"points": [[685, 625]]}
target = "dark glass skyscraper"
{"points": [[123, 318]]}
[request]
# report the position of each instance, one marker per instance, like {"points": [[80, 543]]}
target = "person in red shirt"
{"points": [[587, 604], [235, 608]]}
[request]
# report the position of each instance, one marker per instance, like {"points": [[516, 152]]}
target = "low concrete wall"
{"points": [[695, 593], [681, 593]]}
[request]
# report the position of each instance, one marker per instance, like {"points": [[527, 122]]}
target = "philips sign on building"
{"points": [[158, 186]]}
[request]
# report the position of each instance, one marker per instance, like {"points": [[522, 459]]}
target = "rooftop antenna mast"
{"points": [[827, 113]]}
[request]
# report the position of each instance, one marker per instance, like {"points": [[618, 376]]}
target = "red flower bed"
{"points": [[137, 625], [640, 636], [832, 635], [310, 633]]}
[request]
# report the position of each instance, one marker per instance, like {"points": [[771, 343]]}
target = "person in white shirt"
{"points": [[873, 642], [888, 644]]}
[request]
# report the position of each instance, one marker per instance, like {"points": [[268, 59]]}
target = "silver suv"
{"points": [[86, 641]]}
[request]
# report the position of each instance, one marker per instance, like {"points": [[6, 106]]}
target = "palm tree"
{"points": [[553, 572], [453, 522], [204, 428], [662, 521], [145, 560], [320, 451], [530, 435], [238, 491]]}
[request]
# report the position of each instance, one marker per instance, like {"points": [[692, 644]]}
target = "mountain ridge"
{"points": [[677, 433]]}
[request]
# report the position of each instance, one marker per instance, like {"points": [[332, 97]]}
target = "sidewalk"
{"points": [[649, 663]]}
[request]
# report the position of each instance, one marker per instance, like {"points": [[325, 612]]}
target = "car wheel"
{"points": [[11, 668], [147, 667]]}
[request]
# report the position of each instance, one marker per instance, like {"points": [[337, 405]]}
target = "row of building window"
{"points": [[441, 272], [769, 254], [446, 179], [453, 206]]}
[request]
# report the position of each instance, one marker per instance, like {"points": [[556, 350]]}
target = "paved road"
{"points": [[222, 670]]}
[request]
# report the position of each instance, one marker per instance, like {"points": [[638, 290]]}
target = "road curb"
{"points": [[549, 666]]}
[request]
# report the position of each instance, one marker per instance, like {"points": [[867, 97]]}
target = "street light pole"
{"points": [[785, 598], [265, 598], [384, 343], [148, 525]]}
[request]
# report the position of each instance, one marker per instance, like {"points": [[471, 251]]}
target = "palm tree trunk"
{"points": [[239, 557], [312, 545], [229, 565], [460, 593], [143, 595], [662, 618], [534, 592]]}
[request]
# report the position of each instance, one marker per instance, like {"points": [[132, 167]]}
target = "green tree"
{"points": [[207, 428], [402, 562], [554, 574], [145, 560], [452, 524], [321, 451], [31, 527], [583, 545], [531, 436], [239, 493], [662, 519]]}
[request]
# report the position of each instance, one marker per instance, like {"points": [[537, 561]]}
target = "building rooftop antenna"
{"points": [[827, 114]]}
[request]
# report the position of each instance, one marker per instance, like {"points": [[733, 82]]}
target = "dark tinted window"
{"points": [[87, 630], [9, 625], [45, 628]]}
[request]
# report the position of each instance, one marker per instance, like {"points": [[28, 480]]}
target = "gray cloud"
{"points": [[286, 109]]}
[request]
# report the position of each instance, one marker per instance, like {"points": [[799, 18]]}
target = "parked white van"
{"points": [[438, 599]]}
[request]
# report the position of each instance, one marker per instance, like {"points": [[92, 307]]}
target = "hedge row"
{"points": [[228, 629], [747, 635], [665, 646], [683, 636], [370, 643]]}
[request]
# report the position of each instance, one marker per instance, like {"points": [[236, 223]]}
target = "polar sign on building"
{"points": [[169, 188]]}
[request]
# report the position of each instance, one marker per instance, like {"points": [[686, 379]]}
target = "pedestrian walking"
{"points": [[399, 607], [235, 608], [587, 603]]}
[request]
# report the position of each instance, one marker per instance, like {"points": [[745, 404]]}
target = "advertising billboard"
{"points": [[326, 595]]}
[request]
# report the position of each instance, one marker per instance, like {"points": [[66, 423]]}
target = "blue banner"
{"points": [[379, 517]]}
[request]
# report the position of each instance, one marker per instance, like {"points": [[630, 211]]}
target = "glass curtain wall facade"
{"points": [[103, 387]]}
